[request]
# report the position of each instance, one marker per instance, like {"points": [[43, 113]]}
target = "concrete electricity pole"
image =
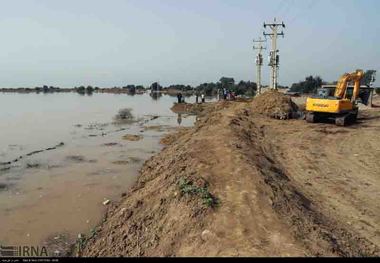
{"points": [[258, 45], [274, 58]]}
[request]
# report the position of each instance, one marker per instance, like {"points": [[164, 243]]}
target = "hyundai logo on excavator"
{"points": [[320, 105]]}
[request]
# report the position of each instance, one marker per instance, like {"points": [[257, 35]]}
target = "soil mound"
{"points": [[275, 105], [173, 137]]}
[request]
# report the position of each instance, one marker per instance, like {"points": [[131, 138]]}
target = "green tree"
{"points": [[227, 83], [208, 88], [245, 88], [369, 76], [309, 85], [155, 87], [81, 90], [89, 89]]}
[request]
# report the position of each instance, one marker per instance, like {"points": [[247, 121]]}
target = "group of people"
{"points": [[181, 98], [227, 95], [202, 98], [224, 94]]}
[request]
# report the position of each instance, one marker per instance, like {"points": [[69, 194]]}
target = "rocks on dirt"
{"points": [[275, 105], [106, 202], [122, 211], [207, 235]]}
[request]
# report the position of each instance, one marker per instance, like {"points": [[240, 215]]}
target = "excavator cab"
{"points": [[323, 93]]}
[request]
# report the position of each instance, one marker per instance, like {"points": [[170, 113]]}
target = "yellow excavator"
{"points": [[342, 106]]}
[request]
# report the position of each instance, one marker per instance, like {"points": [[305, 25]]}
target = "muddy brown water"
{"points": [[62, 189]]}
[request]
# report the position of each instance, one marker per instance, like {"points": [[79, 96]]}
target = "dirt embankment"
{"points": [[188, 108], [275, 104], [241, 184]]}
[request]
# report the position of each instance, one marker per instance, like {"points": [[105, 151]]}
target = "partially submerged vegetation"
{"points": [[124, 116]]}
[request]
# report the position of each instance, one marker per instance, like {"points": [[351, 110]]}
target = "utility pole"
{"points": [[274, 58], [258, 45]]}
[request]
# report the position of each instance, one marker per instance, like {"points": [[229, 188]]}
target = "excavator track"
{"points": [[311, 117], [341, 121], [349, 118]]}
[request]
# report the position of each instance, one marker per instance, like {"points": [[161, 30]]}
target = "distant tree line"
{"points": [[311, 84], [133, 88], [212, 88], [369, 76], [85, 90], [241, 88]]}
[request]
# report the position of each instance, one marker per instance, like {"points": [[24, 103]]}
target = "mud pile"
{"points": [[187, 108], [275, 105]]}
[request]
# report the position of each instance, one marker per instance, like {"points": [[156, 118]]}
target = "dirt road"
{"points": [[240, 184], [337, 168]]}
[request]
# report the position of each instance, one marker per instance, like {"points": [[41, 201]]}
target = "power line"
{"points": [[274, 58], [258, 45]]}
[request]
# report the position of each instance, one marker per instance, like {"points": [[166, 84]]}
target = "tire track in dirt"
{"points": [[321, 234]]}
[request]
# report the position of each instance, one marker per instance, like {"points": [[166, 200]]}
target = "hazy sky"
{"points": [[115, 42]]}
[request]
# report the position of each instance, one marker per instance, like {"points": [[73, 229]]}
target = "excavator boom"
{"points": [[341, 87]]}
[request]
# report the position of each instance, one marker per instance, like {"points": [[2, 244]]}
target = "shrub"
{"points": [[187, 187], [124, 114]]}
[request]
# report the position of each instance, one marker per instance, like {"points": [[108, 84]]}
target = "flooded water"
{"points": [[62, 156]]}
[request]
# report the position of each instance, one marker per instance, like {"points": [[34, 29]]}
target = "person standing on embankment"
{"points": [[179, 97]]}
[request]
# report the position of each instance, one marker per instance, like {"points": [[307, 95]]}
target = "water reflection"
{"points": [[62, 188], [155, 95], [179, 118]]}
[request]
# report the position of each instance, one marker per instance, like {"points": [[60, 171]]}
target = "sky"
{"points": [[118, 42]]}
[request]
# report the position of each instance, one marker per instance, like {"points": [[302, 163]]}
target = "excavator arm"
{"points": [[357, 78], [341, 87]]}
